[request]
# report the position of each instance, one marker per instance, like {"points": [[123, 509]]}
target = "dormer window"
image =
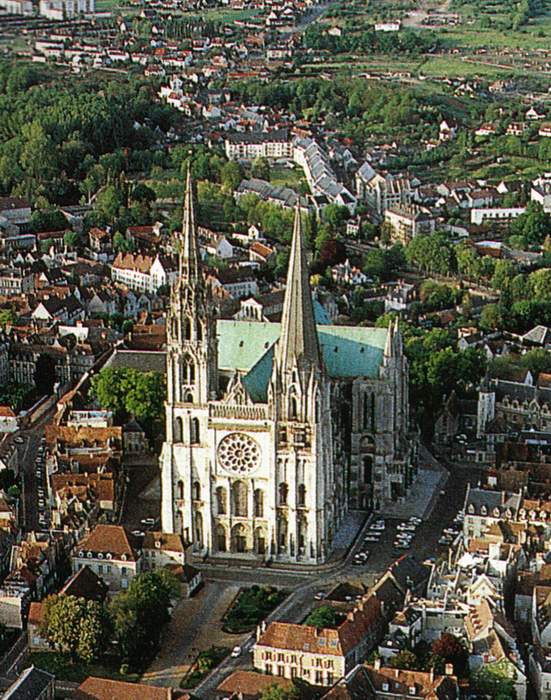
{"points": [[158, 544], [471, 508], [412, 690], [123, 557], [100, 555], [483, 510], [108, 555], [89, 555], [385, 687]]}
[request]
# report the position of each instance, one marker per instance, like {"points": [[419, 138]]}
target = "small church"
{"points": [[275, 431]]}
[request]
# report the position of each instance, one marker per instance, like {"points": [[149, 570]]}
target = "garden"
{"points": [[251, 606]]}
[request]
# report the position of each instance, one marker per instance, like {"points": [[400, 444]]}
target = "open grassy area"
{"points": [[205, 662], [287, 177], [61, 666], [250, 607], [221, 14]]}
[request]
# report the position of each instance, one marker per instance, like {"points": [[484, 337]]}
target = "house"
{"points": [[15, 211], [486, 129], [517, 128], [237, 282], [318, 656], [249, 145], [484, 507], [545, 130], [534, 114], [345, 273], [400, 296], [112, 553], [397, 684], [447, 130], [248, 685], [105, 689], [32, 683], [162, 549], [82, 584], [261, 253], [8, 420], [143, 273], [134, 438], [408, 221]]}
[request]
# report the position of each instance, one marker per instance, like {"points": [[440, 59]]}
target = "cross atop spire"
{"points": [[298, 343], [189, 259]]}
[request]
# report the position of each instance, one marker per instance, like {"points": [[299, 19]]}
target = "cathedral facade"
{"points": [[274, 431]]}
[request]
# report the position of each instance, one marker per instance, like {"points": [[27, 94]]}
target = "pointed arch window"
{"points": [[239, 499], [178, 430], [187, 329], [196, 491], [180, 490], [258, 503], [189, 370], [293, 407], [283, 494], [301, 495], [194, 434], [199, 331], [221, 500], [365, 411]]}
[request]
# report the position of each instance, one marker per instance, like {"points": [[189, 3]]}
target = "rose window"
{"points": [[238, 453]]}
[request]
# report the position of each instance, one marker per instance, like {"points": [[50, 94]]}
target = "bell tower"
{"points": [[191, 331]]}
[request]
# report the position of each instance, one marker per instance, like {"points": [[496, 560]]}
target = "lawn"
{"points": [[287, 177], [250, 607], [62, 668], [221, 14], [205, 662]]}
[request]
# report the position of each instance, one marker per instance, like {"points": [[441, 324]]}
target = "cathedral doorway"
{"points": [[239, 539], [260, 541]]}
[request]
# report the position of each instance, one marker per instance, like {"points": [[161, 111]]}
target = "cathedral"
{"points": [[275, 431]]}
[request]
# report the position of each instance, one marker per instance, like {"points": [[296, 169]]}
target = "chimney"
{"points": [[377, 664], [448, 669], [431, 675]]}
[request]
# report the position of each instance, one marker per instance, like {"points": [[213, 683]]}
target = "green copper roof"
{"points": [[348, 351]]}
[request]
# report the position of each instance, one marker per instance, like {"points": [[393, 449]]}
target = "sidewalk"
{"points": [[424, 491]]}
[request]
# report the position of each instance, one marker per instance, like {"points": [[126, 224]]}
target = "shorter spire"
{"points": [[299, 338]]}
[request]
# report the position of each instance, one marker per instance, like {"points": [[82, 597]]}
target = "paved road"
{"points": [[196, 624], [27, 452], [382, 555]]}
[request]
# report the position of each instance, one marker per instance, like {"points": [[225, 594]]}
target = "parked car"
{"points": [[148, 522], [320, 595], [236, 651], [19, 440]]}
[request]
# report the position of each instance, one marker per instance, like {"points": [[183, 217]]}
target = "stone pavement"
{"points": [[423, 493], [195, 626]]}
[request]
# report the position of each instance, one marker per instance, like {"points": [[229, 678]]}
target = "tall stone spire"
{"points": [[190, 267], [298, 344]]}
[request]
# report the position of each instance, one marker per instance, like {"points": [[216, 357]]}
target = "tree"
{"points": [[323, 617], [76, 626], [71, 239], [261, 168], [405, 660], [230, 176], [122, 244], [491, 318], [451, 650], [532, 226], [374, 263], [38, 157], [278, 692], [140, 612], [7, 316]]}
